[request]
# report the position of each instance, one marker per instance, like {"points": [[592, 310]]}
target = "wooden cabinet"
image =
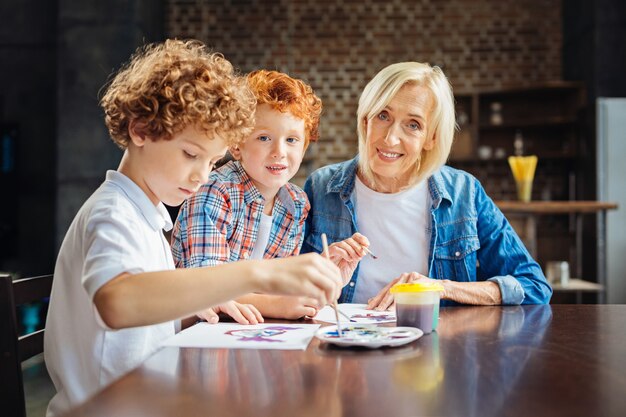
{"points": [[549, 120], [546, 121]]}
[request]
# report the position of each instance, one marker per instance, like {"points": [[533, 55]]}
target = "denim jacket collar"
{"points": [[438, 191], [342, 182]]}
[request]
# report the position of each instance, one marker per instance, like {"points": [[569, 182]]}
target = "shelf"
{"points": [[554, 207], [540, 124], [549, 117], [578, 285], [546, 114], [474, 160]]}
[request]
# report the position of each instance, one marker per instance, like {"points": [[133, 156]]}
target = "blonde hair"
{"points": [[168, 86], [381, 90]]}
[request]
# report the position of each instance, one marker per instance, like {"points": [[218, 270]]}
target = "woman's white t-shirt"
{"points": [[398, 228]]}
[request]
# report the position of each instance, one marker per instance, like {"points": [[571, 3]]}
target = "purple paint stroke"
{"points": [[258, 339], [260, 335], [375, 317], [282, 328]]}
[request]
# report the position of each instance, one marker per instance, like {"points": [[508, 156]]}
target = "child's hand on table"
{"points": [[293, 308], [241, 313]]}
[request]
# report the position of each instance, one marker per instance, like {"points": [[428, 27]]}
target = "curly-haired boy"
{"points": [[174, 110]]}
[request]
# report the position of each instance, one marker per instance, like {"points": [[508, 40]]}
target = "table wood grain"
{"points": [[560, 360]]}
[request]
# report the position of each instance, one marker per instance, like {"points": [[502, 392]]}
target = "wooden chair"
{"points": [[15, 348]]}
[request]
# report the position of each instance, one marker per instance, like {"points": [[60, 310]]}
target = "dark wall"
{"points": [[610, 59], [95, 38], [594, 45], [55, 56], [594, 51], [28, 114]]}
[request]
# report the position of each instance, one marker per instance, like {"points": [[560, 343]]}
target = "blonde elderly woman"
{"points": [[424, 220]]}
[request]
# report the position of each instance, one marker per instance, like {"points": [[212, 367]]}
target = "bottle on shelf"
{"points": [[518, 143], [496, 113]]}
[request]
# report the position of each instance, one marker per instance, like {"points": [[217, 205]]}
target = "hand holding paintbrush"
{"points": [[347, 254]]}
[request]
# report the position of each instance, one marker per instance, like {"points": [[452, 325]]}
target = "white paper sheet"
{"points": [[278, 336], [357, 313]]}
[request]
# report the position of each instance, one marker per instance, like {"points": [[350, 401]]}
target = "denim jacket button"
{"points": [[352, 283], [457, 254]]}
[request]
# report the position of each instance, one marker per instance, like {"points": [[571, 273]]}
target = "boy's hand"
{"points": [[241, 313], [309, 275], [293, 308], [347, 254]]}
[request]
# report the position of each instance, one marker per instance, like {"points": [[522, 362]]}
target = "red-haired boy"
{"points": [[249, 209]]}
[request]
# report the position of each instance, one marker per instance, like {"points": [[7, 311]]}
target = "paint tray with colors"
{"points": [[369, 336]]}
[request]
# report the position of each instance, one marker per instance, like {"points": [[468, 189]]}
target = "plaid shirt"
{"points": [[220, 222]]}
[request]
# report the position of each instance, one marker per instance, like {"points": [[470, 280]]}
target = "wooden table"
{"points": [[529, 211], [561, 360]]}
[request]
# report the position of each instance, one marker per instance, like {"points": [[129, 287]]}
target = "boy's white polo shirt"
{"points": [[117, 230]]}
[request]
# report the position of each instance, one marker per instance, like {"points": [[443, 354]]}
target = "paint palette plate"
{"points": [[368, 336]]}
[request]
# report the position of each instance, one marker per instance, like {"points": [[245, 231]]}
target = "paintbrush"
{"points": [[334, 304], [370, 253], [345, 315]]}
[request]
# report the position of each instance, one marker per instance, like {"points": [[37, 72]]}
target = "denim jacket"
{"points": [[471, 240]]}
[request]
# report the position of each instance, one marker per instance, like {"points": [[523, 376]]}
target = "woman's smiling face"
{"points": [[396, 136]]}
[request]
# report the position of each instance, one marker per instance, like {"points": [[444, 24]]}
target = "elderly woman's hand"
{"points": [[347, 253], [384, 299]]}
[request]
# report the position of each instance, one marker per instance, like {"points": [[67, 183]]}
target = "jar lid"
{"points": [[416, 287]]}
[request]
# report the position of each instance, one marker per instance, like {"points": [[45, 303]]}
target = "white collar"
{"points": [[156, 216]]}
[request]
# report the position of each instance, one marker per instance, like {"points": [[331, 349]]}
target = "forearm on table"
{"points": [[474, 293], [155, 297]]}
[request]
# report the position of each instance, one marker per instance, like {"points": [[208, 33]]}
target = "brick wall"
{"points": [[338, 46]]}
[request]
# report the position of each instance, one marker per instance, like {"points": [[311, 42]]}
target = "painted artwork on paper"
{"points": [[267, 334], [239, 336], [357, 313]]}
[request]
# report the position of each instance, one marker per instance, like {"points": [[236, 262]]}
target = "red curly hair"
{"points": [[287, 94], [168, 86]]}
